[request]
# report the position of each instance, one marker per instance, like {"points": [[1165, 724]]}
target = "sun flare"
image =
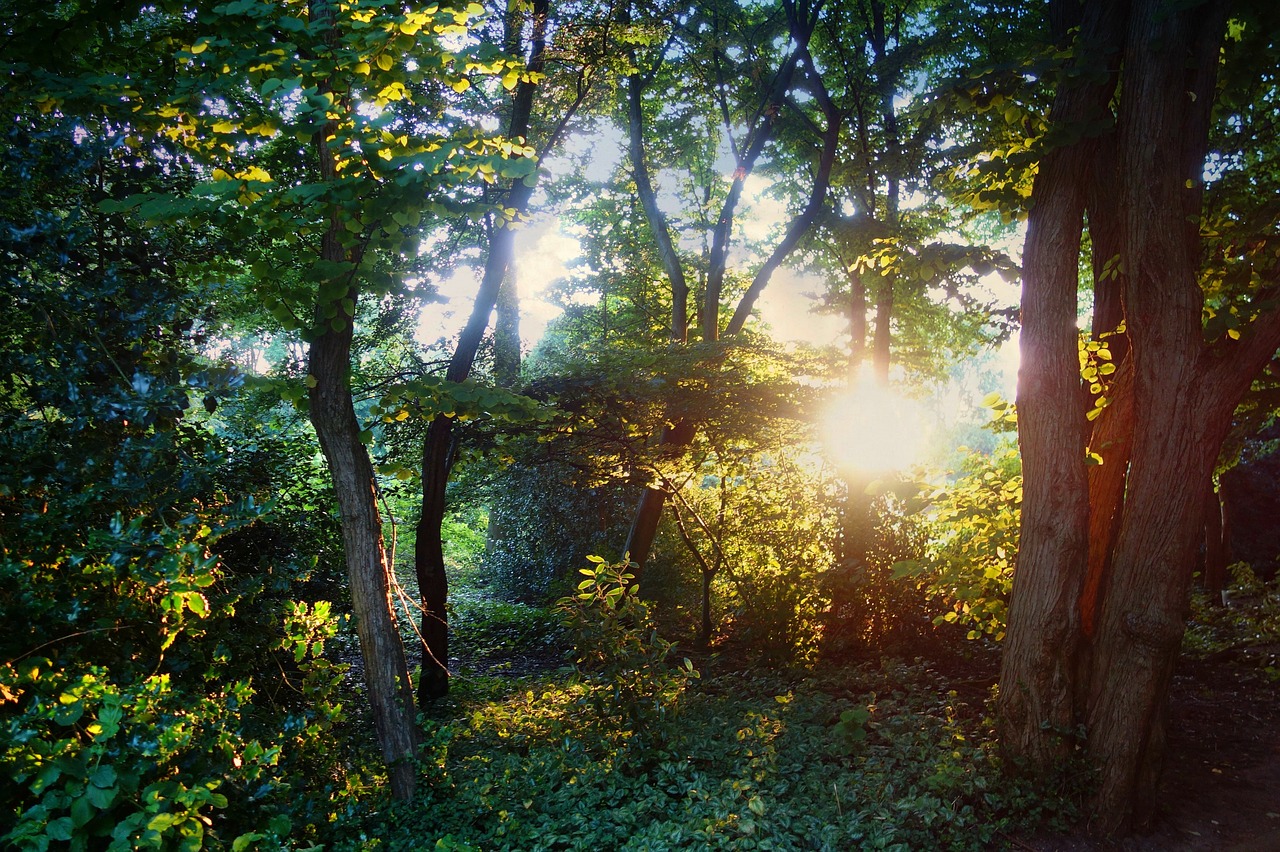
{"points": [[874, 430]]}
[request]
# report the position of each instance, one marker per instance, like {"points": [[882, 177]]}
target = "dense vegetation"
{"points": [[280, 571]]}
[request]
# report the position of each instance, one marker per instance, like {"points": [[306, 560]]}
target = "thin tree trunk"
{"points": [[881, 343], [440, 446], [644, 525], [333, 415], [1215, 546], [506, 333]]}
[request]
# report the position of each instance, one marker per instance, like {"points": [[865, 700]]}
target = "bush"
{"points": [[618, 648]]}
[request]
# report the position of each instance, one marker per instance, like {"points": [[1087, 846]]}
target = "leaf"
{"points": [[60, 829], [101, 797]]}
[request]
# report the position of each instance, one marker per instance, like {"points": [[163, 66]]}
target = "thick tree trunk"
{"points": [[1037, 704], [1185, 413]]}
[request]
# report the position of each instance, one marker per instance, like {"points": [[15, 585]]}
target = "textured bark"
{"points": [[1185, 413], [1037, 704], [385, 667], [338, 430], [440, 447], [1112, 439]]}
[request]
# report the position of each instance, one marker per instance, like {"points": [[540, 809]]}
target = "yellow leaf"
{"points": [[220, 174], [199, 47], [510, 80], [362, 68], [385, 62], [1234, 334], [223, 127], [254, 173], [462, 85]]}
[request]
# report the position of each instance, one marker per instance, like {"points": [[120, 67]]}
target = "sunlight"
{"points": [[873, 429]]}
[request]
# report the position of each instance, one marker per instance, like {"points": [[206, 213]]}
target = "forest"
{"points": [[638, 424]]}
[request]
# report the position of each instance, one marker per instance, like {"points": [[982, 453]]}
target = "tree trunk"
{"points": [[333, 415], [506, 333], [644, 525], [385, 668], [1215, 547], [1037, 704], [1184, 408], [439, 448]]}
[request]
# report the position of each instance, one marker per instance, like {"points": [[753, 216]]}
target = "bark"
{"points": [[801, 26], [386, 670], [882, 340], [333, 415], [644, 525], [1112, 439], [1037, 702], [653, 214], [1215, 546], [881, 349], [506, 333], [1184, 411], [440, 446]]}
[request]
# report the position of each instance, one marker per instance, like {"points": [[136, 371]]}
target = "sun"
{"points": [[873, 430]]}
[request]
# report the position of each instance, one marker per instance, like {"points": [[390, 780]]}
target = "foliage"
{"points": [[757, 762], [762, 523], [875, 610], [545, 519], [161, 688], [1247, 625], [973, 548], [617, 645]]}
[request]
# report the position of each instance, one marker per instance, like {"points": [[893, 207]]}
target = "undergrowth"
{"points": [[754, 760]]}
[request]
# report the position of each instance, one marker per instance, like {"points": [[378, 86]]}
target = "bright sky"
{"points": [[544, 251]]}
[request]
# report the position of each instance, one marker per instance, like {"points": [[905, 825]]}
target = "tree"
{"points": [[1096, 645], [774, 64], [304, 123], [577, 41]]}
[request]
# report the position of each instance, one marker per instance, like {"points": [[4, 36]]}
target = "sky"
{"points": [[545, 250]]}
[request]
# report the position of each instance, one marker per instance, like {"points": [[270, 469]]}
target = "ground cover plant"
{"points": [[662, 561]]}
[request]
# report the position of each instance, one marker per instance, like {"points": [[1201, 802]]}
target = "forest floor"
{"points": [[1221, 785]]}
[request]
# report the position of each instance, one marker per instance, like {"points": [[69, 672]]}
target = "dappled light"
{"points": [[439, 426]]}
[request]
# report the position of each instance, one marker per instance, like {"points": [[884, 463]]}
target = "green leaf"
{"points": [[103, 776], [101, 797], [60, 829]]}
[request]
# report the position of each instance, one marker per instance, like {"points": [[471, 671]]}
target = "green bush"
{"points": [[617, 647], [973, 547]]}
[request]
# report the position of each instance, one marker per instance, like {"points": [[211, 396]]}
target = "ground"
{"points": [[1221, 786]]}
